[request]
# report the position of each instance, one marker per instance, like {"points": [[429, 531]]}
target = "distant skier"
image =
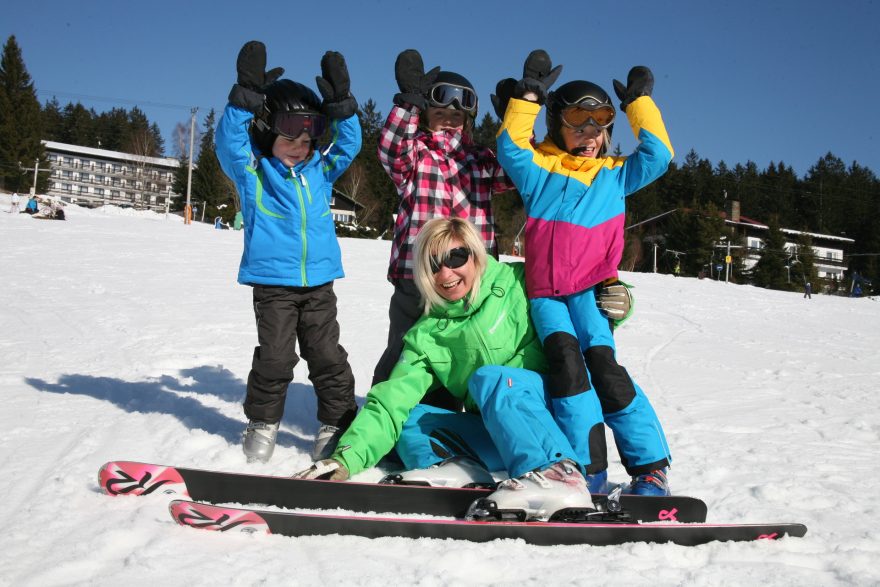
{"points": [[14, 201], [808, 290], [265, 143]]}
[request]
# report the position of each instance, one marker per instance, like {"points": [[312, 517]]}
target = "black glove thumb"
{"points": [[272, 75], [539, 67]]}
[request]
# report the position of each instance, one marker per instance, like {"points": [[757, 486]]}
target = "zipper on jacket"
{"points": [[302, 227]]}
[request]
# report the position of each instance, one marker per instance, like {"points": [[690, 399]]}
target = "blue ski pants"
{"points": [[515, 430], [579, 345]]}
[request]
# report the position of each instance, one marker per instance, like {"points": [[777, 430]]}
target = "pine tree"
{"points": [[803, 266], [81, 128], [53, 121], [485, 132], [210, 186], [771, 269], [377, 193], [20, 123], [178, 186]]}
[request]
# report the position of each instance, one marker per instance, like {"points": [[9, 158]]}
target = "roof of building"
{"points": [[113, 155], [755, 224]]}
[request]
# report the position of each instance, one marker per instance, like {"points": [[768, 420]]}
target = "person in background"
{"points": [[14, 203], [265, 143], [32, 207]]}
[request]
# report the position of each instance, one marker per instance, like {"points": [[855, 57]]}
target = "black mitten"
{"points": [[414, 83], [538, 75], [335, 86], [503, 93], [639, 82], [252, 77]]}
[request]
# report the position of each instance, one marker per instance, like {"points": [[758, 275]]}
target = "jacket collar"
{"points": [[282, 169], [568, 160], [462, 307]]}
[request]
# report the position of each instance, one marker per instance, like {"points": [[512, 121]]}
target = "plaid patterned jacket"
{"points": [[436, 174]]}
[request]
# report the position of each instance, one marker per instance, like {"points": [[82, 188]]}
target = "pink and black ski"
{"points": [[224, 519], [132, 478]]}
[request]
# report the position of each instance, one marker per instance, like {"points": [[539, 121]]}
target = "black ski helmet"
{"points": [[283, 95], [457, 80], [569, 94]]}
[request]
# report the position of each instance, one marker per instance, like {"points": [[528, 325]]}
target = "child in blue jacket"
{"points": [[265, 143]]}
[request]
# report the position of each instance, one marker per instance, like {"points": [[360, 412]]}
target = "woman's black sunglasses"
{"points": [[453, 259]]}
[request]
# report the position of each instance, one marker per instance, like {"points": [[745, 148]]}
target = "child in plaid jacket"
{"points": [[426, 149]]}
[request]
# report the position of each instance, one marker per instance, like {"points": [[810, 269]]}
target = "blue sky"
{"points": [[753, 80]]}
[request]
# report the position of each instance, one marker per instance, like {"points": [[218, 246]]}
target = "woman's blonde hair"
{"points": [[433, 240]]}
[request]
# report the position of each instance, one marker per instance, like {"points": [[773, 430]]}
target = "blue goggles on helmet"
{"points": [[443, 95], [293, 124]]}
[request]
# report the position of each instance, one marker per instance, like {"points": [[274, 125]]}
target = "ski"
{"points": [[224, 519], [133, 478]]}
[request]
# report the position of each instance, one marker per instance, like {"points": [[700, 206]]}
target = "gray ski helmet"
{"points": [[283, 95], [453, 90], [568, 94]]}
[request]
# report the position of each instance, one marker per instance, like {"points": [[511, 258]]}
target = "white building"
{"points": [[94, 177]]}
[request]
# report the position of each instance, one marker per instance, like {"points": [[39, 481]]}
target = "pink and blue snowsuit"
{"points": [[574, 241]]}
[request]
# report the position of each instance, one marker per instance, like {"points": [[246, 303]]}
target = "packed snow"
{"points": [[125, 337]]}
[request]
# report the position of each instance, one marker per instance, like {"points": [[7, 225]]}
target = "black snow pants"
{"points": [[308, 314]]}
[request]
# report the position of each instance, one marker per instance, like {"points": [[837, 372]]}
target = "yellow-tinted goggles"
{"points": [[578, 118]]}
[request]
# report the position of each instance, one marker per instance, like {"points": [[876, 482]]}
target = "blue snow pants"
{"points": [[580, 349], [515, 430]]}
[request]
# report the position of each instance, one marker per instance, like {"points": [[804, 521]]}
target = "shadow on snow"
{"points": [[161, 396]]}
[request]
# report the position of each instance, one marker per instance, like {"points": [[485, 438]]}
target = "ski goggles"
{"points": [[444, 94], [453, 259], [293, 124], [581, 115]]}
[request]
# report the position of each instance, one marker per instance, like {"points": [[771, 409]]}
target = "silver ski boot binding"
{"points": [[453, 472], [557, 493]]}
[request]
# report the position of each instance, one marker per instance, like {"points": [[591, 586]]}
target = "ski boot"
{"points": [[325, 442], [558, 493], [653, 483], [258, 443], [453, 472]]}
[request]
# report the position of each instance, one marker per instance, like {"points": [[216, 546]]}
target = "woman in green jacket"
{"points": [[477, 341]]}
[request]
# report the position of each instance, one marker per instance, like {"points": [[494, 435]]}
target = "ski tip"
{"points": [[133, 478], [204, 516]]}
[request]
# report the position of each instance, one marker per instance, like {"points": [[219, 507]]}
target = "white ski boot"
{"points": [[325, 442], [557, 493], [258, 443], [453, 472]]}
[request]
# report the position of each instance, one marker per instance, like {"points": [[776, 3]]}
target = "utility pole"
{"points": [[727, 261], [187, 211], [36, 170]]}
